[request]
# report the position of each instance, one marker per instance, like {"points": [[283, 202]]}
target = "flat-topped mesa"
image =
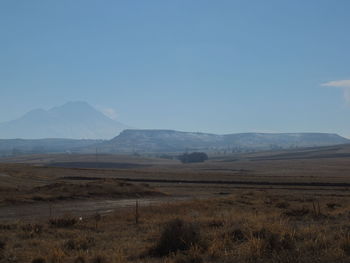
{"points": [[175, 141], [171, 141]]}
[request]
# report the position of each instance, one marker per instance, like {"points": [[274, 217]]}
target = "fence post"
{"points": [[137, 212]]}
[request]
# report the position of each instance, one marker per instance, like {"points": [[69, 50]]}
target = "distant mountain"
{"points": [[73, 120], [175, 141]]}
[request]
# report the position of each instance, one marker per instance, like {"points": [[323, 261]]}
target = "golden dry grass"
{"points": [[246, 227], [261, 224]]}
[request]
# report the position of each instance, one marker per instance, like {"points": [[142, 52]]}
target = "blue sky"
{"points": [[211, 66]]}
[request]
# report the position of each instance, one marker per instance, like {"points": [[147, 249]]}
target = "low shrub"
{"points": [[39, 260], [333, 205], [188, 258], [177, 235], [79, 243], [98, 259], [298, 212], [32, 228], [237, 235], [63, 222], [282, 205], [79, 259], [8, 226], [215, 223], [273, 242], [2, 244], [345, 244]]}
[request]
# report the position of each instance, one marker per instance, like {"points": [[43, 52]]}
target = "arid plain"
{"points": [[278, 206]]}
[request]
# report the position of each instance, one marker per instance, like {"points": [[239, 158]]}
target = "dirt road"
{"points": [[43, 211]]}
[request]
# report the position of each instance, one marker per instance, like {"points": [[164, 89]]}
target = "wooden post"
{"points": [[314, 208], [318, 208], [137, 212], [50, 211], [97, 219]]}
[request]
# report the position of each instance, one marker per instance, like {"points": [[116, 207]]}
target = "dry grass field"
{"points": [[288, 206], [249, 226]]}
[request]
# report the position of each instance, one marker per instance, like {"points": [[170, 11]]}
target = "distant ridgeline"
{"points": [[13, 147], [169, 141]]}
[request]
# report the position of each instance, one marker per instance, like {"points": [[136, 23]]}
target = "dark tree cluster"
{"points": [[195, 157]]}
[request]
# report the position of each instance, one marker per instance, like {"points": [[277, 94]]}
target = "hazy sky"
{"points": [[211, 66]]}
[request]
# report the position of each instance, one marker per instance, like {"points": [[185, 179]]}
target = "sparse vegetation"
{"points": [[249, 221], [217, 230]]}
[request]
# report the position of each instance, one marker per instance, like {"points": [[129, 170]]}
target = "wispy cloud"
{"points": [[109, 112], [338, 83], [343, 84]]}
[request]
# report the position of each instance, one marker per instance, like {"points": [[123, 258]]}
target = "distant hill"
{"points": [[73, 120], [169, 141], [21, 146], [161, 141], [283, 140], [157, 141]]}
